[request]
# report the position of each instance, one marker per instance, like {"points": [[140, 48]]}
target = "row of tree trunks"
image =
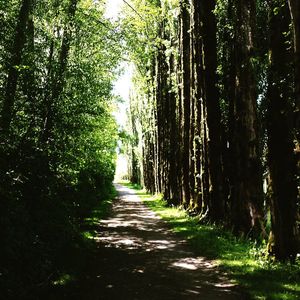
{"points": [[208, 159], [134, 170]]}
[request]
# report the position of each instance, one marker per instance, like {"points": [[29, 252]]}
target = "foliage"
{"points": [[58, 155]]}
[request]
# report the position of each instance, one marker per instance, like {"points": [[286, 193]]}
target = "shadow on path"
{"points": [[139, 257]]}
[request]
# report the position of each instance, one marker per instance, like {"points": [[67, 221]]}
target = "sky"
{"points": [[113, 8], [123, 83], [121, 88]]}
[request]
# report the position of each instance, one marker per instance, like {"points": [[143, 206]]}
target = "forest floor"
{"points": [[139, 257]]}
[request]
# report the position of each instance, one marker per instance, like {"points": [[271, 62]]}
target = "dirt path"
{"points": [[140, 258]]}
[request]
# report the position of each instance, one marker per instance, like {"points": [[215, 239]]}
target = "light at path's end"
{"points": [[121, 167], [113, 8]]}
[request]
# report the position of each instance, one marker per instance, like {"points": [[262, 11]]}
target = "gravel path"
{"points": [[139, 257]]}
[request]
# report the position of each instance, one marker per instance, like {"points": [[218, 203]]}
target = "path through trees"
{"points": [[213, 125], [139, 257]]}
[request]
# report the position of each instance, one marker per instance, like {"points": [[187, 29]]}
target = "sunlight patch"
{"points": [[63, 280], [225, 285], [192, 264], [126, 242]]}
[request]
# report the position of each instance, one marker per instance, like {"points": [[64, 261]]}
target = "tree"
{"points": [[184, 41], [280, 142], [294, 7], [246, 175], [14, 65], [211, 98], [59, 78], [58, 137], [204, 86]]}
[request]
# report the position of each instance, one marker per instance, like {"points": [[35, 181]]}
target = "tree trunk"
{"points": [[280, 142], [193, 100], [211, 98], [294, 6], [185, 63], [197, 69], [174, 151], [246, 181], [15, 61]]}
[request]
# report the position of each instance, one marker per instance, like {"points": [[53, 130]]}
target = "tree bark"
{"points": [[185, 94], [246, 181], [211, 98], [197, 69], [280, 141], [294, 6], [174, 151]]}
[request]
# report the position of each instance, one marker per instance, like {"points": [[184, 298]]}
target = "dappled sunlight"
{"points": [[149, 254], [63, 280], [191, 263], [225, 285]]}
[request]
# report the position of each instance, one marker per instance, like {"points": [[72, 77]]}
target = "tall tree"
{"points": [[174, 146], [280, 142], [211, 97], [59, 77], [52, 48], [14, 65], [185, 97], [246, 180], [294, 6]]}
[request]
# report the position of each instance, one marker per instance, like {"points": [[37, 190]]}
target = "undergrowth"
{"points": [[89, 227], [48, 247]]}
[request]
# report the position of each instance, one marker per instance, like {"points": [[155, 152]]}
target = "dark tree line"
{"points": [[57, 136], [221, 79]]}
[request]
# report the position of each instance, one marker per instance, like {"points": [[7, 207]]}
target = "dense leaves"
{"points": [[213, 121], [58, 138]]}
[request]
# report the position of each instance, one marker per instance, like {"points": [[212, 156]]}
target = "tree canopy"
{"points": [[213, 121], [58, 138]]}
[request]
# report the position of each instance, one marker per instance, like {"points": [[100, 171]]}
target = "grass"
{"points": [[244, 261], [86, 247], [98, 213]]}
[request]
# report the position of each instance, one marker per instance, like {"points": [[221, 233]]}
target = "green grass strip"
{"points": [[244, 261]]}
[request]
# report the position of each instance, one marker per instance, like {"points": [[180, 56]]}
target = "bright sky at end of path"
{"points": [[122, 88], [113, 8], [123, 83]]}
